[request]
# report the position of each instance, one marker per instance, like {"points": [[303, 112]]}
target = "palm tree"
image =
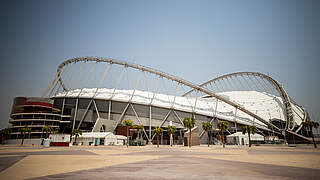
{"points": [[158, 131], [223, 126], [76, 133], [207, 126], [249, 129], [23, 132], [171, 131], [48, 129], [128, 124], [189, 123], [139, 128], [28, 130], [309, 124], [5, 132]]}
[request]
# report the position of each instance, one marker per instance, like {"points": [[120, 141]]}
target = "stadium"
{"points": [[96, 94]]}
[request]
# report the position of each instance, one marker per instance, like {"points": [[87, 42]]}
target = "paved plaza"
{"points": [[150, 162]]}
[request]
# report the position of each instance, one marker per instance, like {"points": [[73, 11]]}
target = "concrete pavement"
{"points": [[150, 162]]}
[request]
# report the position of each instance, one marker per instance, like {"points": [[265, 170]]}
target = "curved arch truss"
{"points": [[239, 97], [258, 82]]}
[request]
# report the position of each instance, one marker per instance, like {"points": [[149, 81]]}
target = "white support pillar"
{"points": [[75, 113], [109, 111], [95, 106], [62, 110], [150, 122], [235, 119]]}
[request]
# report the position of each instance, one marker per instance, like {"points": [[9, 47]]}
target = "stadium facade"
{"points": [[242, 98]]}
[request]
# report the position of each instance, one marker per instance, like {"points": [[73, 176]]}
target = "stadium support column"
{"points": [[109, 110], [181, 137], [95, 106], [150, 122], [215, 111], [235, 119], [75, 114], [62, 110]]}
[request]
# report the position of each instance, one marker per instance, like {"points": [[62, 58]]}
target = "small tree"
{"points": [[158, 131], [171, 131], [249, 129], [48, 129], [139, 137], [23, 132], [5, 132], [29, 133], [128, 124], [76, 133], [189, 124], [223, 126], [207, 126], [309, 125]]}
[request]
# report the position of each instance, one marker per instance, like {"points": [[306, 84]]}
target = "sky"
{"points": [[195, 40]]}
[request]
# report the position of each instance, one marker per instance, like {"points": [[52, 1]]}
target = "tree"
{"points": [[171, 131], [23, 132], [28, 130], [207, 126], [189, 124], [128, 124], [158, 131], [5, 132], [76, 133], [249, 129], [139, 137], [48, 129], [223, 126], [309, 124]]}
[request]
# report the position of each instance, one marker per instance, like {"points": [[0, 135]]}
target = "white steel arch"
{"points": [[200, 88], [288, 114]]}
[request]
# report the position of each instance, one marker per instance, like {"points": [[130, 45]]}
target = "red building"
{"points": [[35, 113]]}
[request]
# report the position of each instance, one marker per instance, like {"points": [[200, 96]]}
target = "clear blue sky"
{"points": [[196, 40]]}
